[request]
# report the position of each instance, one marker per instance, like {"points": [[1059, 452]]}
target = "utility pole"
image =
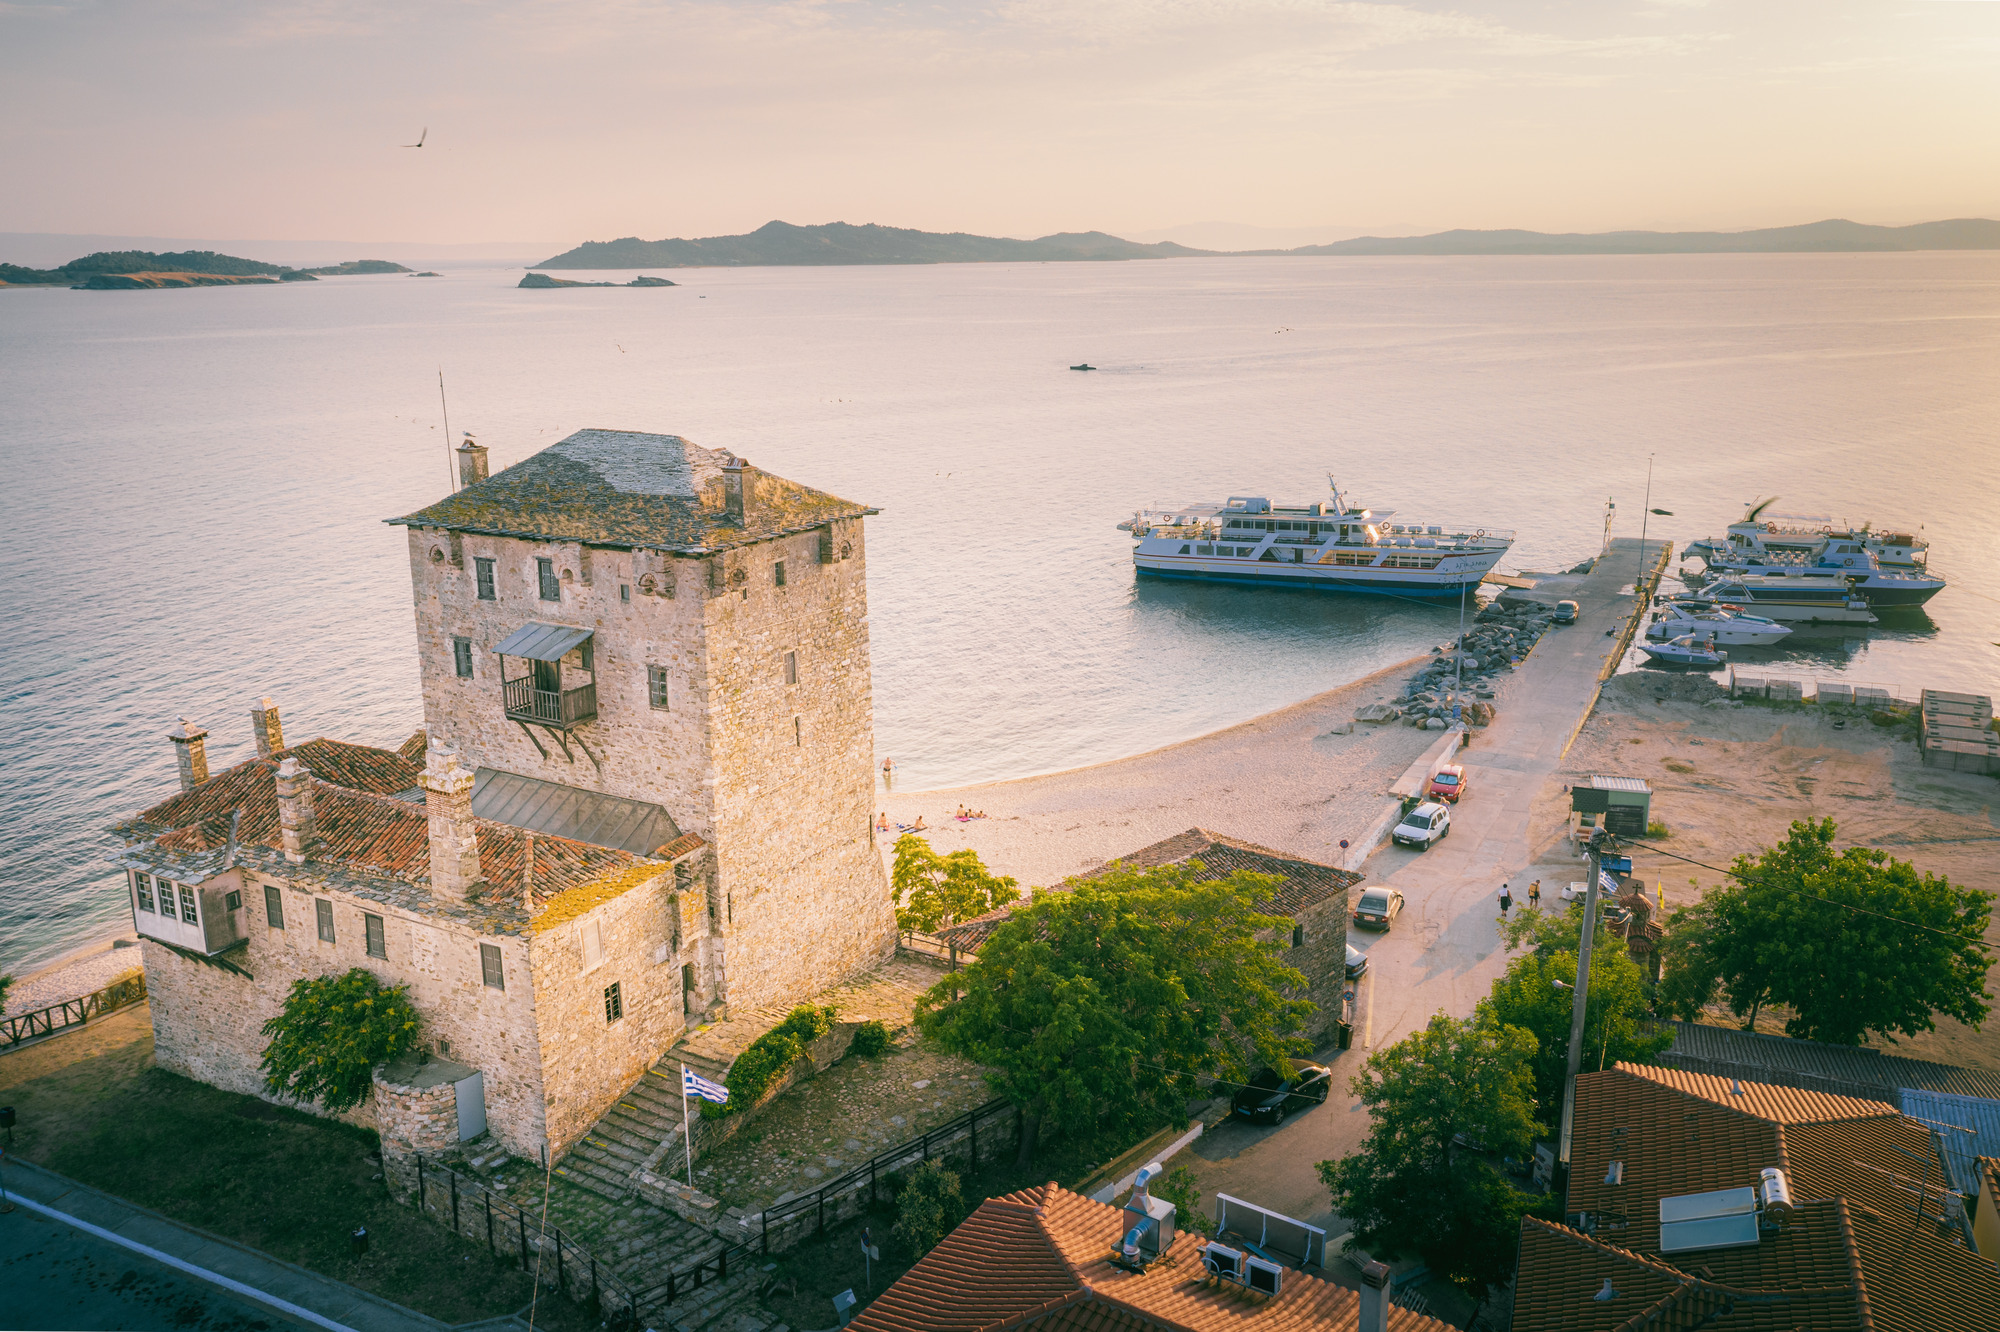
{"points": [[1578, 1004], [1645, 512]]}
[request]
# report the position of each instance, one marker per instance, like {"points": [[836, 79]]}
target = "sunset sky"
{"points": [[570, 121]]}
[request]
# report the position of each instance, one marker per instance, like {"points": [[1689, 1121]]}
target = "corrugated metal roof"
{"points": [[565, 811], [541, 642], [1949, 1113], [1841, 1069], [1601, 783]]}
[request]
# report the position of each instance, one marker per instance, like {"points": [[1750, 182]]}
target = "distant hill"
{"points": [[356, 266], [1969, 233], [108, 263], [781, 244]]}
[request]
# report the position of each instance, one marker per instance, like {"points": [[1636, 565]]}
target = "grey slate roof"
{"points": [[1814, 1066], [622, 488]]}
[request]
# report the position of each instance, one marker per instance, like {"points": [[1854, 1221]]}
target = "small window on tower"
{"points": [[778, 573], [614, 1003], [791, 668], [372, 925], [551, 585], [587, 654], [233, 902], [798, 731], [489, 967], [274, 907], [624, 591], [656, 686], [1298, 936], [461, 656], [482, 570]]}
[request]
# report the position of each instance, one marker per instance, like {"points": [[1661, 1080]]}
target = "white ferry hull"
{"points": [[1325, 578]]}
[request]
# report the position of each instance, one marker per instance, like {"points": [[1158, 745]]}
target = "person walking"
{"points": [[1535, 894], [1506, 899]]}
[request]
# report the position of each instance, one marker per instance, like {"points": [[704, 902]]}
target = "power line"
{"points": [[1846, 906]]}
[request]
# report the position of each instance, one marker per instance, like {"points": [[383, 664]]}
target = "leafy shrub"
{"points": [[870, 1039], [1656, 830], [927, 1208], [770, 1057], [330, 1035], [1180, 1189]]}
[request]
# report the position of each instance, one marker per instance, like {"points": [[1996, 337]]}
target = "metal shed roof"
{"points": [[542, 642], [1601, 783], [1968, 1127], [565, 811]]}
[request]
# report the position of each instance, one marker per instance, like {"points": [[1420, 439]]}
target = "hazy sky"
{"points": [[558, 120]]}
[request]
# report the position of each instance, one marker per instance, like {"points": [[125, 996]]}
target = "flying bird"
{"points": [[420, 138]]}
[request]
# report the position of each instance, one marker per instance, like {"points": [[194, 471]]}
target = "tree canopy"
{"points": [[330, 1035], [1099, 1009], [933, 891], [1782, 933], [1418, 1183], [1617, 1016]]}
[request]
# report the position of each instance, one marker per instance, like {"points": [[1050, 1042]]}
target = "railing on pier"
{"points": [[73, 1012]]}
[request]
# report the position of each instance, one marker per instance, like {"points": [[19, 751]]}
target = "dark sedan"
{"points": [[1269, 1096]]}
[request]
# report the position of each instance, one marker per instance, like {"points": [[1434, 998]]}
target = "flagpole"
{"points": [[687, 1126]]}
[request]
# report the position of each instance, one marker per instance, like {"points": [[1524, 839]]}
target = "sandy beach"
{"points": [[73, 975], [1283, 779]]}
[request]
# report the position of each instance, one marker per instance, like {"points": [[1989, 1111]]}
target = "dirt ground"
{"points": [[1730, 777]]}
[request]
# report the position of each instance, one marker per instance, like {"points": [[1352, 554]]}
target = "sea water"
{"points": [[195, 480]]}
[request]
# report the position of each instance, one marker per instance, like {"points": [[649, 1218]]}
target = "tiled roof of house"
{"points": [[1852, 1254], [1040, 1259], [1305, 883], [1843, 1069], [625, 488], [364, 834]]}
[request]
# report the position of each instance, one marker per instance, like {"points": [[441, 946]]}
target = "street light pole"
{"points": [[1577, 1006], [1645, 512]]}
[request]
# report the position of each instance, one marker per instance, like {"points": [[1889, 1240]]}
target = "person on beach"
{"points": [[1506, 899], [882, 824], [918, 826], [1535, 894]]}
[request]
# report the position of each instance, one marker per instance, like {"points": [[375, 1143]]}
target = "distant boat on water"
{"points": [[1085, 366]]}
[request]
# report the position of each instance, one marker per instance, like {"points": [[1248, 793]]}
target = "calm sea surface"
{"points": [[195, 480]]}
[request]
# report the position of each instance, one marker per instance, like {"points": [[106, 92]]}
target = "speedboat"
{"points": [[1814, 600], [1726, 624], [1687, 650]]}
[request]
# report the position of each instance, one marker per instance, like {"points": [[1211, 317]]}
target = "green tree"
{"points": [[933, 891], [1182, 1190], [1419, 1183], [1617, 1022], [1097, 1010], [330, 1035], [1782, 933], [927, 1208]]}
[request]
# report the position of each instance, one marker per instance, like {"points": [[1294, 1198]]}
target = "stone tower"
{"points": [[632, 615]]}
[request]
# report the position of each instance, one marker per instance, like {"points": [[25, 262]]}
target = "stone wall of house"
{"points": [[803, 897], [208, 1020], [1322, 955], [589, 1059]]}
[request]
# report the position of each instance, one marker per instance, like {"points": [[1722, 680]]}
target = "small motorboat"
{"points": [[1727, 625], [1687, 650], [1085, 366]]}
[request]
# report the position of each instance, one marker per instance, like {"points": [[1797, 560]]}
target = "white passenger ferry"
{"points": [[1335, 545]]}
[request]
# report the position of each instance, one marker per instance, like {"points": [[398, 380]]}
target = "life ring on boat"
{"points": [[1849, 561]]}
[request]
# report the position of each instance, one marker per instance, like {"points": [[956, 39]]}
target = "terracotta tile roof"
{"points": [[361, 831], [1305, 883], [1041, 1259], [628, 489], [1851, 1254]]}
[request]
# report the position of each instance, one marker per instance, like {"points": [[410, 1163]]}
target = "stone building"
{"points": [[641, 795]]}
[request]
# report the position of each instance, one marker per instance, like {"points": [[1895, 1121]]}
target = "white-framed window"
{"points": [[144, 884], [189, 913]]}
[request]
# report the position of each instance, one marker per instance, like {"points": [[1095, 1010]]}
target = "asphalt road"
{"points": [[56, 1276], [1443, 952]]}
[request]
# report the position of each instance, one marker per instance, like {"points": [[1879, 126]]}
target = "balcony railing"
{"points": [[549, 707]]}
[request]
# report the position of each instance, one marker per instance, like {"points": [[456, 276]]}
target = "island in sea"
{"points": [[782, 244], [135, 270], [542, 282]]}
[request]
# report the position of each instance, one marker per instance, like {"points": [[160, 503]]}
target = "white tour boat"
{"points": [[1725, 624], [1790, 538], [1334, 545], [1814, 600]]}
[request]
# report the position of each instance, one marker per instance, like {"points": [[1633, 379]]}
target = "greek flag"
{"points": [[1607, 883], [694, 1084]]}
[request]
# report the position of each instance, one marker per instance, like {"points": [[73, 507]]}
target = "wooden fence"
{"points": [[72, 1012]]}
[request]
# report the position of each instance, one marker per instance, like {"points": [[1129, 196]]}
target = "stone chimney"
{"points": [[738, 491], [264, 725], [471, 462], [1374, 1297], [454, 842], [190, 753], [298, 825]]}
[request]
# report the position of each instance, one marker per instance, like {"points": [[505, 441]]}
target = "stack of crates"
{"points": [[1958, 732]]}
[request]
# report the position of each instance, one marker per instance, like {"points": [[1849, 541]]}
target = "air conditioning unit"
{"points": [[1261, 1276], [1223, 1261]]}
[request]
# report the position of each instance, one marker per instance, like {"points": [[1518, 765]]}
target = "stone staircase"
{"points": [[631, 1132]]}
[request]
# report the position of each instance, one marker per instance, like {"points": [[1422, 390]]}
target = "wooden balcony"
{"points": [[563, 709]]}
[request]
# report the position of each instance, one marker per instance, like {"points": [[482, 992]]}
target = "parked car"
{"points": [[1357, 962], [1269, 1096], [1423, 827], [1448, 785], [1566, 612], [1378, 907]]}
